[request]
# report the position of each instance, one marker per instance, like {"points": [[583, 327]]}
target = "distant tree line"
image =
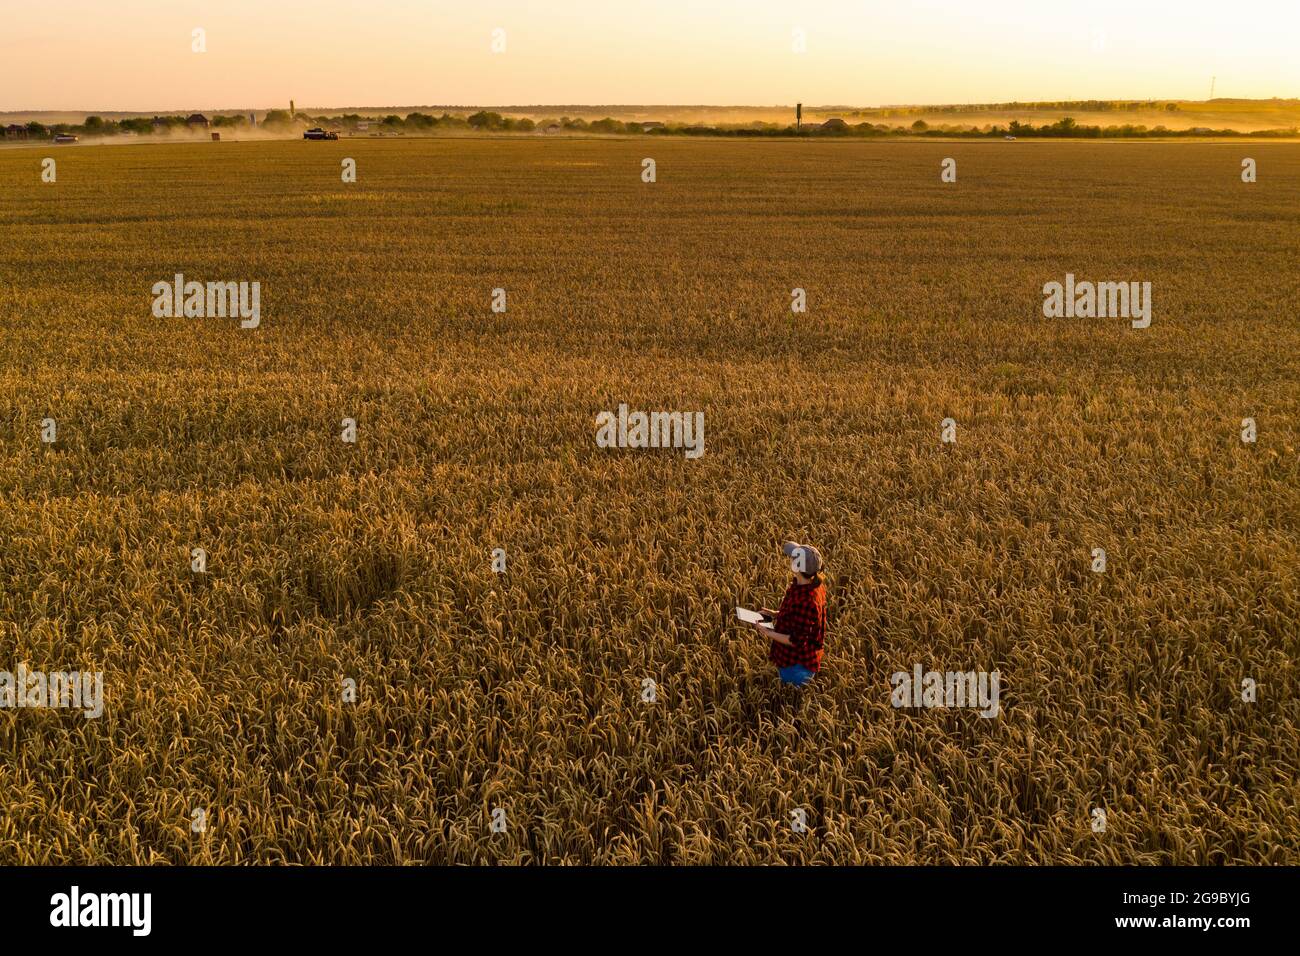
{"points": [[1066, 128], [484, 120], [1079, 106], [135, 125]]}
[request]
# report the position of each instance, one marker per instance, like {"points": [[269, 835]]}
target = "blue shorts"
{"points": [[795, 674]]}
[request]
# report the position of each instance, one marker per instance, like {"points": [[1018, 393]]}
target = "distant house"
{"points": [[14, 131], [647, 126], [1202, 129], [197, 121], [553, 128], [835, 125]]}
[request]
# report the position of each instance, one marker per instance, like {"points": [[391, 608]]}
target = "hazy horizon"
{"points": [[743, 54], [595, 106]]}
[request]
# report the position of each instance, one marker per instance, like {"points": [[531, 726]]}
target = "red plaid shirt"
{"points": [[803, 617]]}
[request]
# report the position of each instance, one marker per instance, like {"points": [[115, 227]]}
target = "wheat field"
{"points": [[522, 691]]}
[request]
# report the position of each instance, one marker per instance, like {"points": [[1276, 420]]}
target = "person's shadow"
{"points": [[770, 698]]}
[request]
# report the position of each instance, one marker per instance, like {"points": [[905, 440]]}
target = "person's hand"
{"points": [[761, 628], [768, 611]]}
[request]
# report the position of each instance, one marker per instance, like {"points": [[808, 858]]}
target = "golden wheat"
{"points": [[522, 691]]}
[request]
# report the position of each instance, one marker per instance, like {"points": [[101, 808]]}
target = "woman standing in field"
{"points": [[799, 629]]}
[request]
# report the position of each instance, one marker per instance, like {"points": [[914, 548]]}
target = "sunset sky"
{"points": [[136, 54]]}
